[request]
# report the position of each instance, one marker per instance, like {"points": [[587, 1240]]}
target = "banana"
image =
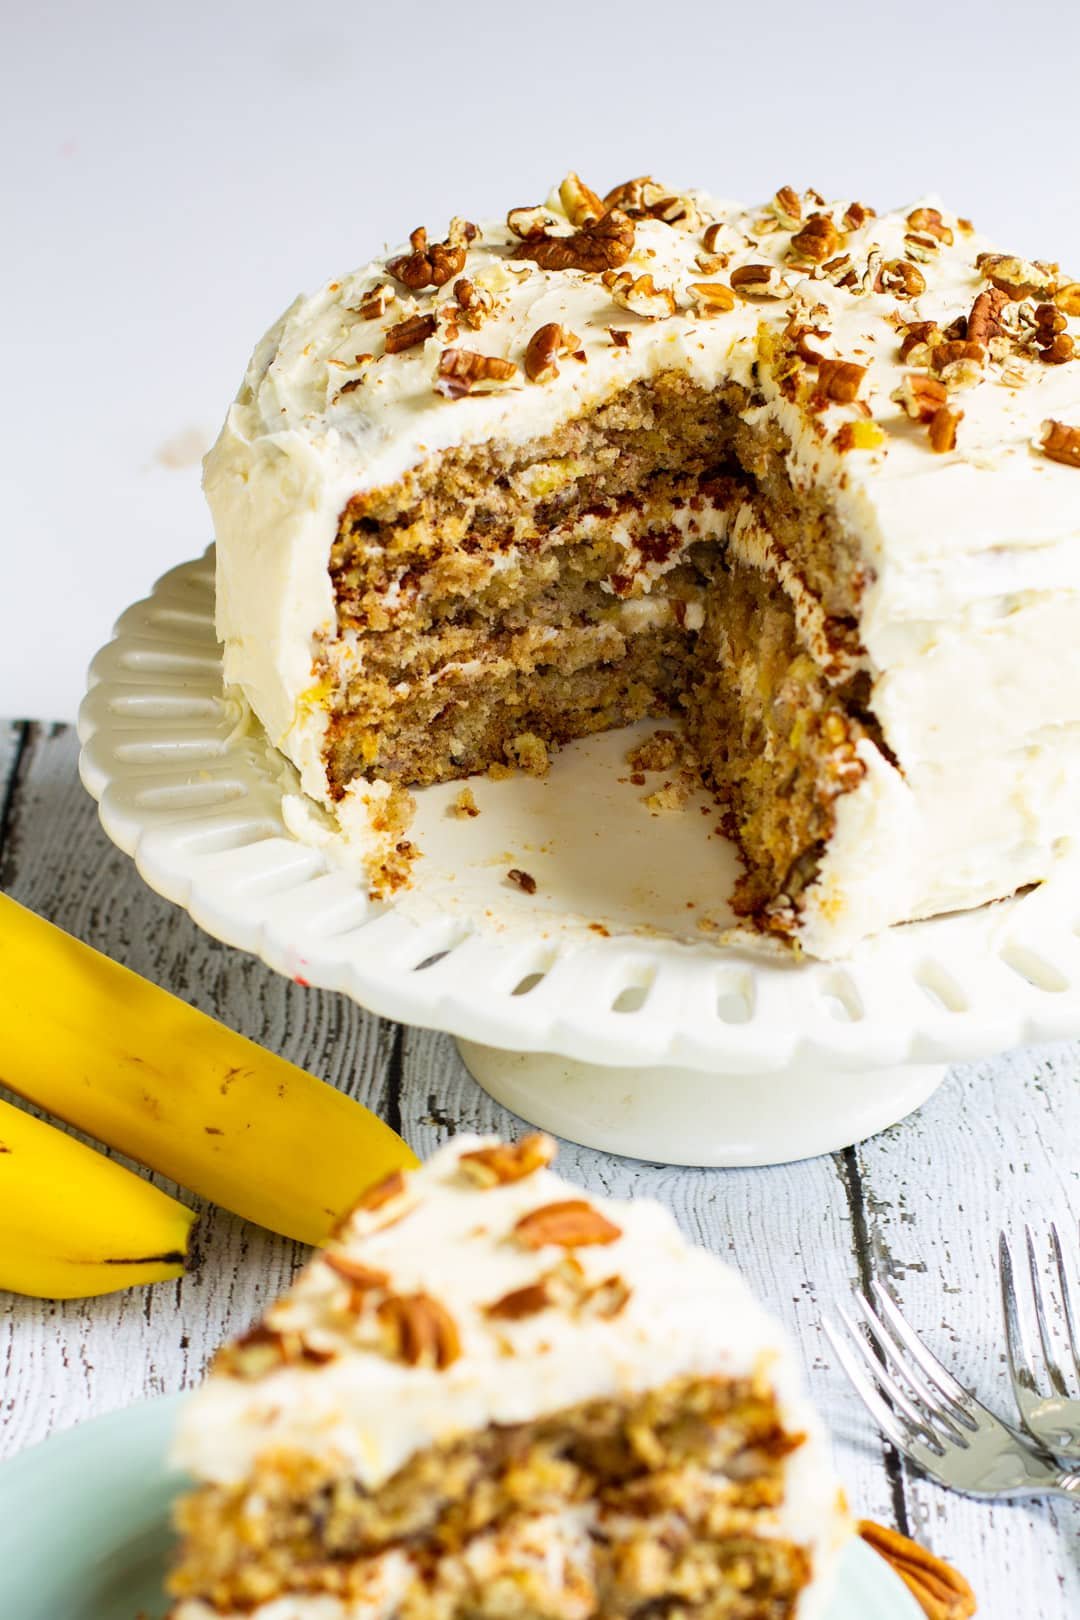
{"points": [[96, 1045], [73, 1223]]}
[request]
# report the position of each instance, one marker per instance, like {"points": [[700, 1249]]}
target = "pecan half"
{"points": [[1060, 442], [922, 397], [928, 222], [504, 1162], [475, 303], [941, 1591], [901, 277], [943, 426], [711, 297], [984, 322], [408, 333], [433, 264], [581, 205], [787, 206], [572, 1223], [604, 245], [840, 380], [637, 198], [641, 296], [817, 241], [759, 281], [419, 1331], [542, 352], [949, 352], [1020, 278], [855, 215], [529, 223], [461, 372]]}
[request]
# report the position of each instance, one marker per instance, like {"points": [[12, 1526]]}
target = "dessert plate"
{"points": [[614, 1005], [84, 1528]]}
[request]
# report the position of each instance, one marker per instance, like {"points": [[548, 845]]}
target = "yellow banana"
{"points": [[102, 1048], [74, 1223]]}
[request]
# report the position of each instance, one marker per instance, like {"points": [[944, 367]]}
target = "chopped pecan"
{"points": [[581, 205], [1060, 442], [433, 264], [840, 271], [520, 1302], [681, 213], [817, 241], [604, 245], [475, 303], [529, 223], [504, 1162], [1053, 342], [941, 1591], [855, 215], [637, 197], [919, 336], [619, 336], [928, 222], [607, 1299], [354, 1271], [921, 396], [712, 237], [921, 247], [419, 1330], [572, 1223], [374, 302], [407, 334], [949, 352], [711, 297], [1067, 298], [1060, 350], [522, 880], [262, 1349], [840, 380], [787, 206], [943, 426], [461, 371], [1020, 278], [542, 351], [901, 277], [984, 322], [641, 295], [759, 281]]}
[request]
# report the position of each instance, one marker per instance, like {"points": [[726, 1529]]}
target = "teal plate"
{"points": [[84, 1528]]}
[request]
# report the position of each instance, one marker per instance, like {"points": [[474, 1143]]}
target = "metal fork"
{"points": [[931, 1419], [1054, 1419]]}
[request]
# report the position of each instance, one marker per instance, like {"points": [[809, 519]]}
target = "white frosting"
{"points": [[970, 620]]}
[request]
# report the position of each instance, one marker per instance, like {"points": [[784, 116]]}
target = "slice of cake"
{"points": [[807, 476], [492, 1398]]}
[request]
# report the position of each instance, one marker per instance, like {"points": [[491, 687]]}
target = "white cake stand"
{"points": [[611, 1006]]}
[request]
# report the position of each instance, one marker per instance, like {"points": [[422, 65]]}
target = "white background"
{"points": [[174, 176]]}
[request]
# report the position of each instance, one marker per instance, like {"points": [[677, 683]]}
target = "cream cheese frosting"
{"points": [[970, 558], [650, 1308]]}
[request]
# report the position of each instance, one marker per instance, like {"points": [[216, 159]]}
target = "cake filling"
{"points": [[650, 559]]}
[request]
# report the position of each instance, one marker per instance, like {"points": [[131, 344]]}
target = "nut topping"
{"points": [[840, 380], [759, 281], [565, 1286], [529, 223], [922, 397], [407, 334], [1020, 278], [504, 1162], [374, 302], [520, 1302], [941, 1591], [901, 277], [711, 297], [462, 372], [475, 303], [571, 1223], [543, 348], [354, 1271], [582, 206], [787, 206], [641, 296], [856, 215], [984, 322], [431, 265], [928, 222], [604, 245], [1067, 298], [818, 240], [943, 426], [1060, 442], [419, 1331]]}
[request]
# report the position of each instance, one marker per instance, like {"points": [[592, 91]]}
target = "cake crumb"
{"points": [[529, 752], [672, 796], [657, 753], [523, 880], [465, 804], [498, 772]]}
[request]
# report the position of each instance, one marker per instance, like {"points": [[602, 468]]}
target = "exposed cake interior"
{"points": [[612, 1508], [572, 584]]}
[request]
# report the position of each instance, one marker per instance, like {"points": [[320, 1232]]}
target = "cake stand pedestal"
{"points": [[697, 1117], [610, 1003]]}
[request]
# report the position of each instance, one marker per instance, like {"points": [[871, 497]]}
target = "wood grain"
{"points": [[921, 1204]]}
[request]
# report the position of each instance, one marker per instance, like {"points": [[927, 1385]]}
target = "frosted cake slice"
{"points": [[493, 1397]]}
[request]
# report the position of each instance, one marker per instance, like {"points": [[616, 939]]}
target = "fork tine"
{"points": [[1066, 1298], [1016, 1349], [882, 1414], [938, 1374], [880, 1373], [1049, 1353], [932, 1404]]}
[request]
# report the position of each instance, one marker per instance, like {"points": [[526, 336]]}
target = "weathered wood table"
{"points": [[920, 1204]]}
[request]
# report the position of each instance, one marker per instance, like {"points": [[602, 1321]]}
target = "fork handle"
{"points": [[1066, 1484]]}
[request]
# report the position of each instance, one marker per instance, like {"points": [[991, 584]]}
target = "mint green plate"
{"points": [[84, 1528]]}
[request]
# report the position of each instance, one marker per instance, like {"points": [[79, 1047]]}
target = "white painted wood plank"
{"points": [[1000, 1143], [63, 1362], [787, 1229]]}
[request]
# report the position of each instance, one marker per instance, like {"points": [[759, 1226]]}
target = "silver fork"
{"points": [[931, 1419], [1053, 1419]]}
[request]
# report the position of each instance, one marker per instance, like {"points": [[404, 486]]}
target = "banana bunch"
{"points": [[132, 1066]]}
